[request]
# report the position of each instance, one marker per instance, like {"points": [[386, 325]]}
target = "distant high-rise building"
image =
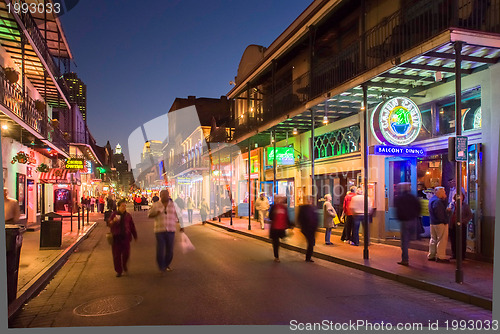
{"points": [[77, 92]]}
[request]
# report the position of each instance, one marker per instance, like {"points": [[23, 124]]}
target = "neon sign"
{"points": [[284, 156], [397, 121], [397, 151]]}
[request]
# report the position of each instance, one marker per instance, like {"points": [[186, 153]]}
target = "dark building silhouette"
{"points": [[77, 92]]}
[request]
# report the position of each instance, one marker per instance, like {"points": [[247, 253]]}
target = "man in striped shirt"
{"points": [[166, 214]]}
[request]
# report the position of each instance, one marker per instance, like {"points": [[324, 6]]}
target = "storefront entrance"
{"points": [[397, 170]]}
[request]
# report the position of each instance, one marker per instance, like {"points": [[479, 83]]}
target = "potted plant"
{"points": [[11, 74], [20, 157], [40, 105], [42, 168]]}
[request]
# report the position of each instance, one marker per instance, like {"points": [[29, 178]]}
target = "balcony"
{"points": [[24, 112], [394, 35]]}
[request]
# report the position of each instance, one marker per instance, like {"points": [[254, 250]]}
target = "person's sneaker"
{"points": [[118, 275], [309, 260], [168, 269], [277, 260], [403, 263], [431, 259], [328, 243], [438, 260]]}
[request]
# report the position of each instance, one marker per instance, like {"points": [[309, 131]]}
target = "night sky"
{"points": [[136, 57]]}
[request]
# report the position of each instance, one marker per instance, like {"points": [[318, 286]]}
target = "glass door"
{"points": [[397, 170]]}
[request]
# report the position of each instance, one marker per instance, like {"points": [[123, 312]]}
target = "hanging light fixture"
{"points": [[295, 131], [325, 118]]}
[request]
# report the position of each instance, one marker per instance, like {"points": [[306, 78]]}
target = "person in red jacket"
{"points": [[347, 231], [123, 229]]}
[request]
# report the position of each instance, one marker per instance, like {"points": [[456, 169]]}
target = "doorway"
{"points": [[397, 170]]}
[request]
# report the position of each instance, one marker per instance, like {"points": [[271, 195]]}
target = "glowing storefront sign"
{"points": [[284, 156], [397, 121], [74, 163], [397, 151]]}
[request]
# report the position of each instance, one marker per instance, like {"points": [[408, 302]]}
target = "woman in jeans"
{"points": [[280, 221]]}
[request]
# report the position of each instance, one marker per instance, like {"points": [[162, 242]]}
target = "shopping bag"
{"points": [[186, 244], [109, 237], [336, 220]]}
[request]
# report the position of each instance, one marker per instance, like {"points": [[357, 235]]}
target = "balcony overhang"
{"points": [[11, 31], [88, 152], [410, 75]]}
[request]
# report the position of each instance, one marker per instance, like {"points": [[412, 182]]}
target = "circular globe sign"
{"points": [[398, 121]]}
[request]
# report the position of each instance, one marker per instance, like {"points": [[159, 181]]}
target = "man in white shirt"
{"points": [[357, 207], [166, 214], [11, 208]]}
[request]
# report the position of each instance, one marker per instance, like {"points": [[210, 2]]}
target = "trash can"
{"points": [[13, 243], [51, 231]]}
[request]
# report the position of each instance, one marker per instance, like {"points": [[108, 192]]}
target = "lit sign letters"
{"points": [[75, 164], [397, 151]]}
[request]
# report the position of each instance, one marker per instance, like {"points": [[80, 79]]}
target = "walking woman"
{"points": [[123, 229], [204, 209], [280, 221], [190, 207]]}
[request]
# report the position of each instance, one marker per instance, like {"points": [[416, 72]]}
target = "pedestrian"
{"points": [[452, 183], [357, 208], [166, 214], [328, 215], [180, 203], [155, 198], [123, 229], [101, 204], [452, 230], [280, 221], [204, 209], [439, 228], [92, 204], [12, 211], [261, 206], [347, 231], [407, 211], [190, 207], [308, 220], [138, 202]]}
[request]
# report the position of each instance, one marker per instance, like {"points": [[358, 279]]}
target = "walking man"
{"points": [[407, 211], [166, 214], [439, 226], [347, 231], [262, 205], [308, 220]]}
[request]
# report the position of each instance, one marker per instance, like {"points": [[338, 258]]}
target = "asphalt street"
{"points": [[228, 279]]}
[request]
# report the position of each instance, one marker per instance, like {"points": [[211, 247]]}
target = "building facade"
{"points": [[384, 72]]}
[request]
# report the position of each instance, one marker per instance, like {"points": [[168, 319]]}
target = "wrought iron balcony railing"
{"points": [[11, 97]]}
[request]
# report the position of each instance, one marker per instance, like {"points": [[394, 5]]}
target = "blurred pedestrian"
{"points": [[123, 229], [92, 204], [101, 204], [328, 215], [466, 217], [347, 231], [190, 207], [204, 209], [308, 221], [357, 208], [166, 214], [280, 221], [407, 211], [261, 206], [439, 226], [12, 212], [155, 198]]}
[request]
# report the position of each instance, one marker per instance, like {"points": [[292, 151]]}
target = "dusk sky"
{"points": [[136, 57]]}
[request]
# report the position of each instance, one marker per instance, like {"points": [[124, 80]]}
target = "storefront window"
{"points": [[471, 112], [426, 129]]}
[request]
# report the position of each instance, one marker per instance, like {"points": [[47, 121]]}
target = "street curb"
{"points": [[47, 275], [475, 300]]}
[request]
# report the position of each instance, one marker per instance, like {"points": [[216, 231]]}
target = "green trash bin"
{"points": [[13, 243]]}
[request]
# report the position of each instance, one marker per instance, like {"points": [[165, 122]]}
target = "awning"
{"points": [[60, 175]]}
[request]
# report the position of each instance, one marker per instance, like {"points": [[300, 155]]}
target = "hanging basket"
{"points": [[42, 168], [11, 74], [20, 157]]}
